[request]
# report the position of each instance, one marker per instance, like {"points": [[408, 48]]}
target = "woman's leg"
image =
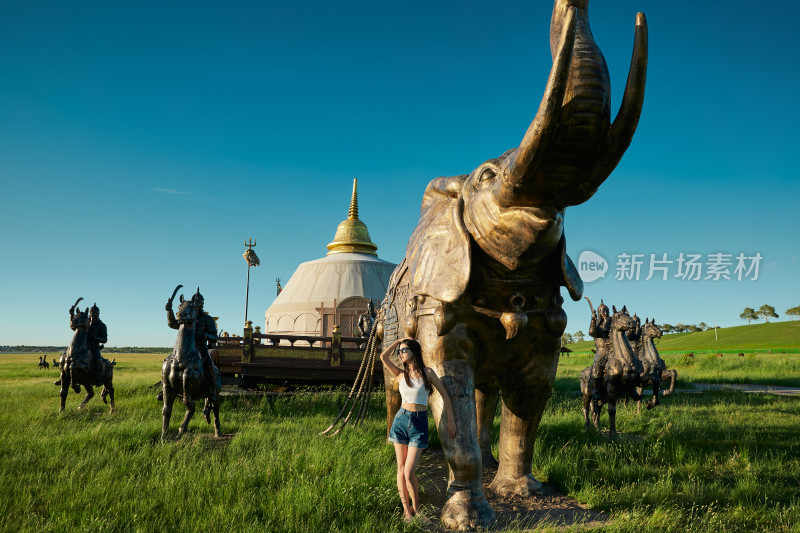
{"points": [[401, 451], [410, 477]]}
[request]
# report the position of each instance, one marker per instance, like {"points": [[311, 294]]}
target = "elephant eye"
{"points": [[485, 178]]}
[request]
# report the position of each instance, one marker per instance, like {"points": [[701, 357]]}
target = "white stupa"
{"points": [[334, 289]]}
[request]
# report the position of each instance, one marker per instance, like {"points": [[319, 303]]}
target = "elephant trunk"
{"points": [[571, 146], [522, 164]]}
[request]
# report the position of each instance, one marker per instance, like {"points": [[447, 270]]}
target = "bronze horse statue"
{"points": [[76, 368], [646, 351], [651, 374], [623, 375], [182, 374]]}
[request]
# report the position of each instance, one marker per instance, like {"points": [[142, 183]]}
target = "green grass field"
{"points": [[699, 462], [775, 336]]}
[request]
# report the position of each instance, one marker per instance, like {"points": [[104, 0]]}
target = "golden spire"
{"points": [[352, 235]]}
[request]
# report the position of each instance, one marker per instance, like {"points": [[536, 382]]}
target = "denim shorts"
{"points": [[410, 428]]}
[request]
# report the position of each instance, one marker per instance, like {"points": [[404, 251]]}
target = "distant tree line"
{"points": [[765, 311], [680, 327], [32, 349], [107, 349]]}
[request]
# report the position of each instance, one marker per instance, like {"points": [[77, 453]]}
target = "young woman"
{"points": [[409, 431]]}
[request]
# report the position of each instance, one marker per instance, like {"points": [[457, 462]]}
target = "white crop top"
{"points": [[416, 393]]}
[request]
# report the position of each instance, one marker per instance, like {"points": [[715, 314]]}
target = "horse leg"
{"points": [[217, 430], [189, 403], [672, 376], [587, 407], [89, 395], [639, 391], [166, 411], [108, 390], [64, 389], [596, 408], [208, 406], [612, 415], [654, 400]]}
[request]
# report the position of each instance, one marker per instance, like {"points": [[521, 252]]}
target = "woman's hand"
{"points": [[451, 429], [394, 369]]}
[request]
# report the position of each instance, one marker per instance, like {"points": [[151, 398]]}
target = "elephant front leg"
{"points": [[466, 507], [486, 406]]}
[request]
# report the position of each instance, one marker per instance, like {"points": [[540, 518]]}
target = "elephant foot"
{"points": [[524, 486], [467, 510]]}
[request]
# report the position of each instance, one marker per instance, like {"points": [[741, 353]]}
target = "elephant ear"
{"points": [[438, 253], [566, 274]]}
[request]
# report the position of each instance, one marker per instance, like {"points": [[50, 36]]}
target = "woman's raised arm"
{"points": [[393, 368]]}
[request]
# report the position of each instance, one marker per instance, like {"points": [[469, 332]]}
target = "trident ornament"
{"points": [[252, 261], [249, 255]]}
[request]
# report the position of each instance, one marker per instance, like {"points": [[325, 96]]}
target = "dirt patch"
{"points": [[551, 509]]}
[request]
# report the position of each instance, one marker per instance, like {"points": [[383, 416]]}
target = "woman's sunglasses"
{"points": [[403, 350]]}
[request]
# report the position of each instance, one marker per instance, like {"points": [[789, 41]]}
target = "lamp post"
{"points": [[252, 260]]}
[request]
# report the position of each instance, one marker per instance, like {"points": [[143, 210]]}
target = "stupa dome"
{"points": [[334, 289]]}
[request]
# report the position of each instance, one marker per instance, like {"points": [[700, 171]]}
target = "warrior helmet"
{"points": [[94, 310], [602, 309], [197, 298]]}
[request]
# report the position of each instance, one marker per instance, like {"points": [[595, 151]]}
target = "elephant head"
{"points": [[513, 206]]}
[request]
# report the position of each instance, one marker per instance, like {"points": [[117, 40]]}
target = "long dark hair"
{"points": [[416, 362]]}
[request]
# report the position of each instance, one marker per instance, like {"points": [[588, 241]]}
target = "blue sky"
{"points": [[141, 143]]}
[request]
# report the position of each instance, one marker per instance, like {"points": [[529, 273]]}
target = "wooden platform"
{"points": [[296, 359]]}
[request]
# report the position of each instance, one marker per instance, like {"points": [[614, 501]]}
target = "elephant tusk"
{"points": [[541, 130], [621, 131]]}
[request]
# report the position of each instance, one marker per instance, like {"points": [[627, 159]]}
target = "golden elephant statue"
{"points": [[479, 287]]}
